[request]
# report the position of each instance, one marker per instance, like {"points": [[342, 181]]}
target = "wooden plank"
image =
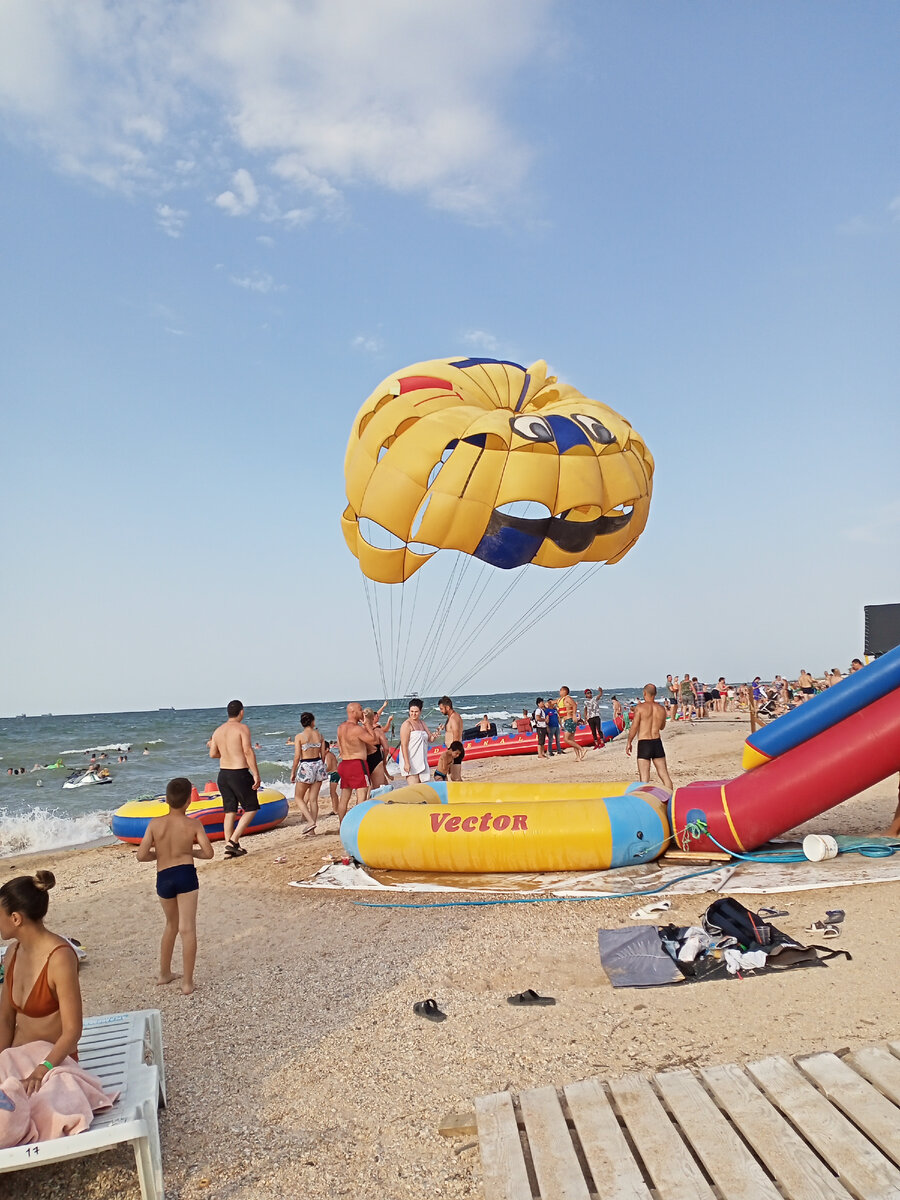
{"points": [[502, 1160], [873, 1113], [880, 1067], [695, 856], [556, 1164], [458, 1124], [674, 1173], [800, 1174], [616, 1175], [862, 1169], [733, 1169]]}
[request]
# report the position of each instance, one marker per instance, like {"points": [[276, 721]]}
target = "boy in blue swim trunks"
{"points": [[173, 842], [449, 764]]}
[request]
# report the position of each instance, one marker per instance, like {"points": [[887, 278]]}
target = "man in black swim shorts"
{"points": [[649, 722], [238, 778]]}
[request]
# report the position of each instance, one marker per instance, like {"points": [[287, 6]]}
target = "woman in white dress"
{"points": [[414, 739]]}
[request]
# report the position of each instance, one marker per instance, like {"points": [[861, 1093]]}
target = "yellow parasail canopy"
{"points": [[441, 452]]}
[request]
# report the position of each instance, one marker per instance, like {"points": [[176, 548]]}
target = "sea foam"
{"points": [[39, 829], [123, 746]]}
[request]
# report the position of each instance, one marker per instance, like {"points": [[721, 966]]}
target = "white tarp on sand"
{"points": [[674, 879]]}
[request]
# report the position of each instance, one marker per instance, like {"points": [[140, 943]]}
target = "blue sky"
{"points": [[223, 223]]}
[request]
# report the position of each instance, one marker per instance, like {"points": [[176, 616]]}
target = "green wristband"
{"points": [[49, 1065]]}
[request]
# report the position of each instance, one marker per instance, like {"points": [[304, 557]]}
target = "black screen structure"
{"points": [[882, 628]]}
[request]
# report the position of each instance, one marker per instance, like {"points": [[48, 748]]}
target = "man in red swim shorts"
{"points": [[355, 742]]}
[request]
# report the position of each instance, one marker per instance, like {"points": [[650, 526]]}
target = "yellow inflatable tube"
{"points": [[438, 792], [513, 835]]}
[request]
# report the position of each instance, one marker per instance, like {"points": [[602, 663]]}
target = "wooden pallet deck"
{"points": [[820, 1127]]}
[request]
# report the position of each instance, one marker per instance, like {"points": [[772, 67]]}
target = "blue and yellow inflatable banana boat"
{"points": [[129, 823], [476, 827]]}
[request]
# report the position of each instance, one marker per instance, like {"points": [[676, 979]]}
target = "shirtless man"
{"points": [[649, 722], [807, 685], [355, 742], [568, 711], [452, 729], [238, 778]]}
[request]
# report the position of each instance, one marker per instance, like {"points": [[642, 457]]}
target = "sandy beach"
{"points": [[298, 1068]]}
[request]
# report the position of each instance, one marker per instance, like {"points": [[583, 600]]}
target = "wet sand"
{"points": [[298, 1068]]}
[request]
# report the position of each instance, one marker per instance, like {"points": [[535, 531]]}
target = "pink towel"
{"points": [[64, 1104]]}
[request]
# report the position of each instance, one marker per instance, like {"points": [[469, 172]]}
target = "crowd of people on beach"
{"points": [[688, 699]]}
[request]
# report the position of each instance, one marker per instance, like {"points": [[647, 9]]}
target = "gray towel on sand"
{"points": [[634, 957]]}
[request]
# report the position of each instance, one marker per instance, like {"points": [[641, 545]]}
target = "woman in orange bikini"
{"points": [[40, 1024], [41, 1001]]}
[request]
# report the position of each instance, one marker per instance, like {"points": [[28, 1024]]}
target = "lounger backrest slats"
{"points": [[115, 1048]]}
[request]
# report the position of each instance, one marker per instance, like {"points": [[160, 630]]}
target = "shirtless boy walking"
{"points": [[649, 722], [238, 778], [173, 842], [355, 743]]}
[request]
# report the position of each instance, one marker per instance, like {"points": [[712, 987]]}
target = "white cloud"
{"points": [[894, 208], [171, 220], [244, 197], [882, 528], [368, 342], [858, 226], [257, 281], [265, 240], [319, 96], [480, 339]]}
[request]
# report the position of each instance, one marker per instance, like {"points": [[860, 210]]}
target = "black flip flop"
{"points": [[530, 997], [429, 1009]]}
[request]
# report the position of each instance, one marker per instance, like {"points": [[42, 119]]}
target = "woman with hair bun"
{"points": [[40, 1023]]}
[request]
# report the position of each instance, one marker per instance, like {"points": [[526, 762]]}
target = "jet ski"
{"points": [[91, 775]]}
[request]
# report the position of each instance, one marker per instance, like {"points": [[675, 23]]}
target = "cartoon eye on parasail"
{"points": [[443, 453]]}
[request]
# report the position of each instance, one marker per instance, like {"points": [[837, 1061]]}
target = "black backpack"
{"points": [[729, 918]]}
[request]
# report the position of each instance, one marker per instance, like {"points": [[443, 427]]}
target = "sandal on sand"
{"points": [[530, 996], [234, 850], [825, 928], [429, 1009], [308, 831], [650, 910]]}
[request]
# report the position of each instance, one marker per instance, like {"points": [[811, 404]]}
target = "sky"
{"points": [[224, 222]]}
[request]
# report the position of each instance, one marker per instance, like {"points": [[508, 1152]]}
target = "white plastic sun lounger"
{"points": [[113, 1048]]}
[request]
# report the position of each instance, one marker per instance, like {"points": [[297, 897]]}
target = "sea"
{"points": [[37, 813]]}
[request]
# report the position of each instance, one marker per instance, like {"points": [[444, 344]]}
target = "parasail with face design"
{"points": [[444, 455]]}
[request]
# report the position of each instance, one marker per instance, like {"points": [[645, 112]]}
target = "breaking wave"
{"points": [[123, 746], [39, 829]]}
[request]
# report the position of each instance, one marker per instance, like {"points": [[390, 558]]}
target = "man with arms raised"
{"points": [[452, 729], [356, 742], [649, 722], [238, 778]]}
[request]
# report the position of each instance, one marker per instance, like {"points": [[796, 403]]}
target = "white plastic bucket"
{"points": [[819, 846]]}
